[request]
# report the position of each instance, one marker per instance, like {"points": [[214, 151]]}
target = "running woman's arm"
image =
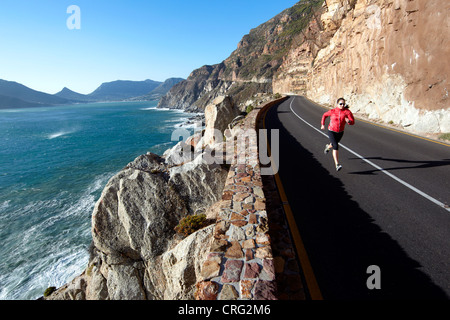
{"points": [[325, 115], [350, 118]]}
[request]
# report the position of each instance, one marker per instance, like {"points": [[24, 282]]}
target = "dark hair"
{"points": [[340, 100]]}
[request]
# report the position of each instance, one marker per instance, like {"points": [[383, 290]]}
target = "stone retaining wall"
{"points": [[240, 264]]}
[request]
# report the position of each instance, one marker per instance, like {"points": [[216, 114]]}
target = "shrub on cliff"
{"points": [[445, 136], [49, 291], [277, 96], [190, 224]]}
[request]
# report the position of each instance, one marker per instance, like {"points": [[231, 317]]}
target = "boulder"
{"points": [[125, 282], [181, 271], [74, 290], [136, 253], [135, 214], [218, 115], [198, 182], [181, 153], [149, 162]]}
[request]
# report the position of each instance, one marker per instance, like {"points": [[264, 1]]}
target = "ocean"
{"points": [[54, 164]]}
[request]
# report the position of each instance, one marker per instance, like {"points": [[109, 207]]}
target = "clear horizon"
{"points": [[120, 40]]}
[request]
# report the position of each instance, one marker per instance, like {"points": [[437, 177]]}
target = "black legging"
{"points": [[335, 137]]}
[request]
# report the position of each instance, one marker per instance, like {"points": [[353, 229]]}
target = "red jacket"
{"points": [[337, 119]]}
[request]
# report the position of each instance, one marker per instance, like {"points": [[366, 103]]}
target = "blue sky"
{"points": [[127, 40]]}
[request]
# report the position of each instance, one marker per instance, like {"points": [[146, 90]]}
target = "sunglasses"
{"points": [[341, 104]]}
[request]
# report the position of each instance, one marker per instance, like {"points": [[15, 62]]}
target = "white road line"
{"points": [[406, 184]]}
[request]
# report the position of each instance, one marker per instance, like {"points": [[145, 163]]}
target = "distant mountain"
{"points": [[160, 90], [10, 102], [164, 87], [123, 89], [16, 95], [68, 94]]}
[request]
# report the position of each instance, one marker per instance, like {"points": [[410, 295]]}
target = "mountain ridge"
{"points": [[17, 95], [123, 89], [69, 94], [250, 67]]}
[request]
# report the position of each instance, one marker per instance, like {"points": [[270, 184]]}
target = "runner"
{"points": [[338, 117]]}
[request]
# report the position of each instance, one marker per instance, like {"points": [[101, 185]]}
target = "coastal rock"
{"points": [[218, 115], [97, 288], [388, 58], [149, 162], [125, 282], [247, 72], [135, 214], [200, 184], [194, 93], [181, 153], [180, 270], [136, 254], [74, 290]]}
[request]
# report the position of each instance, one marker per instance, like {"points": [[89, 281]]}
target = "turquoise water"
{"points": [[54, 163]]}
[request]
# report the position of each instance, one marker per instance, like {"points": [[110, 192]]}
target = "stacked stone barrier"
{"points": [[240, 264]]}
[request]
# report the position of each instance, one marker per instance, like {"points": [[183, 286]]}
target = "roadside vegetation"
{"points": [[445, 136]]}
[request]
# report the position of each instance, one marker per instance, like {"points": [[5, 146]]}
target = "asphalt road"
{"points": [[387, 210]]}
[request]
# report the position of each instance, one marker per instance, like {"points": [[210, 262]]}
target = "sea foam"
{"points": [[59, 134]]}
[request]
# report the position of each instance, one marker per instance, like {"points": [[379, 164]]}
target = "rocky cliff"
{"points": [[249, 69], [136, 253], [388, 58]]}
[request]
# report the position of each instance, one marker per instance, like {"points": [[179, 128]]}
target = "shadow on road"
{"points": [[341, 239], [409, 164]]}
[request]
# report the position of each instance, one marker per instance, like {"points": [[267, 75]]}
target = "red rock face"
{"points": [[422, 28], [389, 58]]}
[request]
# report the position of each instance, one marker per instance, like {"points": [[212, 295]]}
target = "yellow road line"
{"points": [[308, 272]]}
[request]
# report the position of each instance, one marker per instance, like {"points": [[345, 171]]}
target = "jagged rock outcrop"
{"points": [[182, 266], [218, 115], [198, 182], [131, 219], [203, 83], [136, 253], [172, 276]]}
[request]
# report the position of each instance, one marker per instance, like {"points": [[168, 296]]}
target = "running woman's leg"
{"points": [[335, 137]]}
